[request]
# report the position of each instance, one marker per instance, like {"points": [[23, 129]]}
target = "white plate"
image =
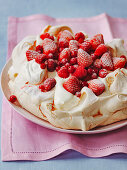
{"points": [[31, 117]]}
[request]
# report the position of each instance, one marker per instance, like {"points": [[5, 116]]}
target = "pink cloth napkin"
{"points": [[24, 140]]}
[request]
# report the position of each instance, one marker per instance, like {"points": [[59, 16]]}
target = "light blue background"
{"points": [[70, 160]]}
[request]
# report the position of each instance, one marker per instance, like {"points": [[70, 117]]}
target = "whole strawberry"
{"points": [[65, 54], [96, 41], [106, 61], [30, 55], [63, 72], [49, 83], [84, 59], [72, 85], [86, 46], [101, 49], [66, 35], [80, 72], [73, 46], [118, 62], [96, 86], [49, 46]]}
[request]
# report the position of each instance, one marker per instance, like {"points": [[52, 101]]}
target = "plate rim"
{"points": [[50, 126]]}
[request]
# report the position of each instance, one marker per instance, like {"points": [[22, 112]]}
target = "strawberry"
{"points": [[96, 41], [96, 86], [71, 69], [49, 83], [79, 37], [63, 72], [64, 54], [97, 63], [51, 65], [73, 60], [46, 35], [63, 43], [86, 46], [49, 46], [84, 59], [30, 54], [73, 46], [39, 49], [118, 62], [106, 61], [66, 35], [40, 58], [12, 98], [101, 49], [103, 73], [72, 85], [80, 72]]}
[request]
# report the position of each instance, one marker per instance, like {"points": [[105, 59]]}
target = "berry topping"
{"points": [[84, 59], [63, 43], [103, 73], [96, 86], [49, 46], [30, 54], [50, 56], [86, 46], [79, 37], [97, 63], [65, 54], [42, 65], [118, 62], [106, 61], [46, 35], [49, 83], [80, 72], [94, 76], [42, 88], [101, 49], [96, 41], [73, 46], [73, 61], [71, 69], [78, 94], [94, 57], [40, 58], [66, 35], [51, 65], [12, 98], [72, 85], [39, 49], [63, 72]]}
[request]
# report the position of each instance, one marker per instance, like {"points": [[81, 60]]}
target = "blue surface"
{"points": [[65, 8]]}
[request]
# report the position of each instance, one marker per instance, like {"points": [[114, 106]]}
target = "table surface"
{"points": [[60, 8]]}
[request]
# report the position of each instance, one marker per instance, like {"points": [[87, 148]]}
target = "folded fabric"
{"points": [[24, 140]]}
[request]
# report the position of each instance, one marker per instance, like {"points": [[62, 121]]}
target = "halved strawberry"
{"points": [[65, 34], [106, 61], [96, 41], [72, 85], [86, 46], [63, 72], [49, 46], [101, 49], [96, 86], [118, 62], [64, 54], [73, 46], [84, 59], [80, 72], [30, 54]]}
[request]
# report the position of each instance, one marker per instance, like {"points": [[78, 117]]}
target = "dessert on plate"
{"points": [[70, 80]]}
